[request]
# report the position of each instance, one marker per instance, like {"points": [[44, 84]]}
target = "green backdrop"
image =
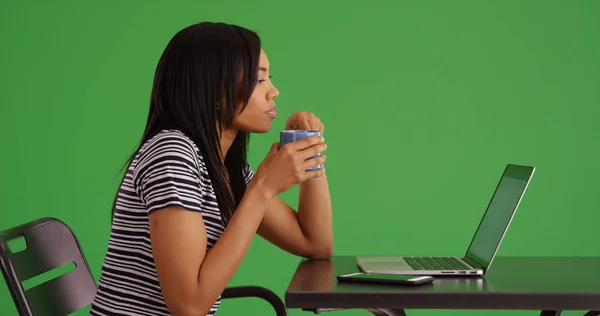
{"points": [[424, 103]]}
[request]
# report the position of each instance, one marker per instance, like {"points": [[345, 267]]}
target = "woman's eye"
{"points": [[263, 80]]}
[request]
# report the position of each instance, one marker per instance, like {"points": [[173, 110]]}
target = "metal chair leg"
{"points": [[259, 292]]}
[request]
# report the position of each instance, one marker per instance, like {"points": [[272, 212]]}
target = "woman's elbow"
{"points": [[321, 252]]}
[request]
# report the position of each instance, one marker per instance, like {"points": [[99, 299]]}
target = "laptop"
{"points": [[484, 245]]}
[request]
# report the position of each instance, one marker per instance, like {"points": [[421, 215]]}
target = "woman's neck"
{"points": [[227, 138]]}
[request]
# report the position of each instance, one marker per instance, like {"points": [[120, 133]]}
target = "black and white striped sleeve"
{"points": [[248, 174], [167, 175]]}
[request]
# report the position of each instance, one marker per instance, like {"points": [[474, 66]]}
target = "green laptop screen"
{"points": [[499, 213]]}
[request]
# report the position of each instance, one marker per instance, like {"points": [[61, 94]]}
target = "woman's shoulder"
{"points": [[168, 147], [167, 171], [172, 138]]}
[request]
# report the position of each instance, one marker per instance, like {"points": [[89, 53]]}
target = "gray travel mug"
{"points": [[290, 136]]}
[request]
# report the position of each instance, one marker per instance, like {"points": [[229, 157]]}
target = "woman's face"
{"points": [[260, 110]]}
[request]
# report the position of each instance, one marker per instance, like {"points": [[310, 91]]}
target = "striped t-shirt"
{"points": [[167, 171]]}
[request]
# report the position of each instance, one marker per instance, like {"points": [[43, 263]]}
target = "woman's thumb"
{"points": [[274, 148]]}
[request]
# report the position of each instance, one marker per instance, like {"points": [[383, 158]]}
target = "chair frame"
{"points": [[14, 279]]}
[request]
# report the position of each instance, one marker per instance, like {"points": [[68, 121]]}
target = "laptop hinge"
{"points": [[473, 263]]}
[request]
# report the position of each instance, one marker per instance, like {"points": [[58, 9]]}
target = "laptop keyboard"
{"points": [[435, 263]]}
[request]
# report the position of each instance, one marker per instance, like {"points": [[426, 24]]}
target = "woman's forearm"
{"points": [[315, 216]]}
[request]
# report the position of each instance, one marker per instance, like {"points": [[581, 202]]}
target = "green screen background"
{"points": [[424, 103]]}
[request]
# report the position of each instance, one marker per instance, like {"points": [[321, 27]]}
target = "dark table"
{"points": [[547, 284]]}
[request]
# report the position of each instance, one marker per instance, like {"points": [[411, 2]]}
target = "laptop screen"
{"points": [[499, 213]]}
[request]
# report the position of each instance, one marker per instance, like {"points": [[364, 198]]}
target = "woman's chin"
{"points": [[258, 129]]}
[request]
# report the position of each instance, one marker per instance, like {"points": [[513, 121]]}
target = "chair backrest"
{"points": [[49, 245]]}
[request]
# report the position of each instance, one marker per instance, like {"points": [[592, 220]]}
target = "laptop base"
{"points": [[405, 265]]}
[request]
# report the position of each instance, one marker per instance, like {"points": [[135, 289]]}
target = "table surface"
{"points": [[513, 283]]}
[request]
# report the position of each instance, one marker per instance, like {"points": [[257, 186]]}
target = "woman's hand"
{"points": [[285, 167], [304, 120]]}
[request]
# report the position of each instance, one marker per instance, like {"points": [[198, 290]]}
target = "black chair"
{"points": [[51, 244]]}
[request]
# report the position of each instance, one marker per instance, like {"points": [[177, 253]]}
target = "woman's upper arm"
{"points": [[178, 245], [167, 180]]}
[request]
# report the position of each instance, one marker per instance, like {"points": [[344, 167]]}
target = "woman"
{"points": [[189, 204]]}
